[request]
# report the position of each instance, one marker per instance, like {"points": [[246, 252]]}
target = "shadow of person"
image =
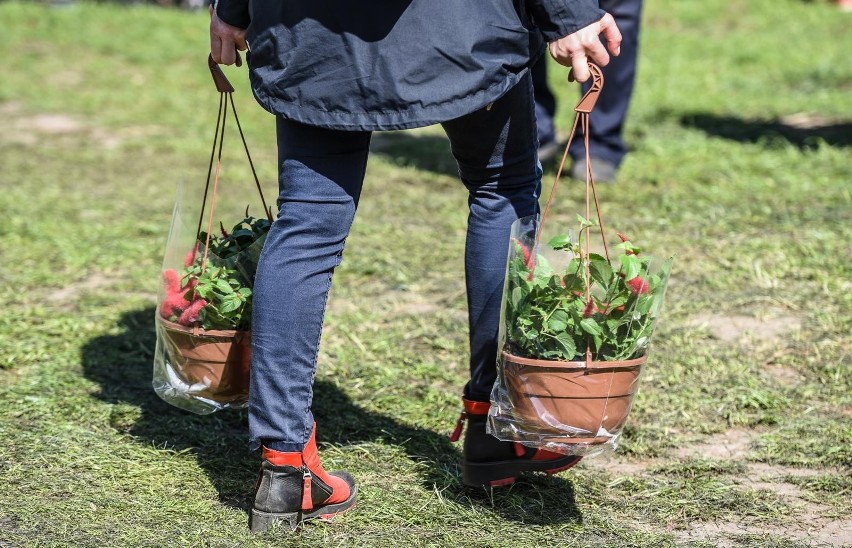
{"points": [[121, 365], [802, 131]]}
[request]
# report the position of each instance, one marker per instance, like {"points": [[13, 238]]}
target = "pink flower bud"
{"points": [[173, 305], [190, 315], [590, 309], [171, 280], [528, 259], [639, 285], [190, 258]]}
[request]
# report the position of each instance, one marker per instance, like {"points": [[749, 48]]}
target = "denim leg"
{"points": [[496, 152], [321, 172]]}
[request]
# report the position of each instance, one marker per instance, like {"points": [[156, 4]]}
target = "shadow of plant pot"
{"points": [[572, 402]]}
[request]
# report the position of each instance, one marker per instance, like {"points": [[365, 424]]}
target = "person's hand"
{"points": [[576, 50], [225, 40]]}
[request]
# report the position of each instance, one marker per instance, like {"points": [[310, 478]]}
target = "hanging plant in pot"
{"points": [[575, 329], [574, 337], [203, 320], [205, 312]]}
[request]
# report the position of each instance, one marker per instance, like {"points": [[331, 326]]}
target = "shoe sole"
{"points": [[261, 521], [503, 473]]}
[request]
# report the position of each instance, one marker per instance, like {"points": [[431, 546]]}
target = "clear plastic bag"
{"points": [[571, 352], [203, 318]]}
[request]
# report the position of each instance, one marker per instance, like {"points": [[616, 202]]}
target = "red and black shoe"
{"points": [[294, 487], [489, 462]]}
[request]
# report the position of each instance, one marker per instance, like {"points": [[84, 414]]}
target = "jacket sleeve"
{"points": [[234, 12], [558, 18]]}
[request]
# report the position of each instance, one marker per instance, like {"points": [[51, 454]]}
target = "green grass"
{"points": [[754, 204]]}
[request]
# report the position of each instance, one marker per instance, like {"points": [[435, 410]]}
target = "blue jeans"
{"points": [[321, 175]]}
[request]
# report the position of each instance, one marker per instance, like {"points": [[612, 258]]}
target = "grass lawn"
{"points": [[740, 128]]}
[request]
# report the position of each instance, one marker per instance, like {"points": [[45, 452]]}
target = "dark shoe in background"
{"points": [[547, 151]]}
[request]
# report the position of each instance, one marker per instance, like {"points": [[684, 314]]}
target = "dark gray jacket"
{"points": [[394, 64]]}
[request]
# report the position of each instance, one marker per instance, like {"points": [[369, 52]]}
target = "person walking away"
{"points": [[333, 72]]}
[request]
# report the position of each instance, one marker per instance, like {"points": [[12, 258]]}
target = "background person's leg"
{"points": [[606, 141], [545, 111], [321, 174]]}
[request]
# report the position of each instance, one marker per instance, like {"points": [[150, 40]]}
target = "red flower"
{"points": [[190, 315], [190, 258], [590, 309], [528, 259], [616, 309], [173, 305], [222, 228], [639, 285], [171, 280]]}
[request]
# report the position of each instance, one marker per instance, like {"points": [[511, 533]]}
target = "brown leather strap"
{"points": [[226, 91], [222, 83]]}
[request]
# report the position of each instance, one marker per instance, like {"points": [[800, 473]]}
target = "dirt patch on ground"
{"points": [[67, 295], [33, 129], [734, 328], [732, 444], [810, 523], [730, 534]]}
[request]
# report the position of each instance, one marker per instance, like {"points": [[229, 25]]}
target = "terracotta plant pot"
{"points": [[217, 362], [570, 400]]}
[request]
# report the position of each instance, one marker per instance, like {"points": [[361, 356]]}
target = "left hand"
{"points": [[575, 50]]}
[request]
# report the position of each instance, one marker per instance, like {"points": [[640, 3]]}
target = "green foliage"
{"points": [[609, 309], [224, 280]]}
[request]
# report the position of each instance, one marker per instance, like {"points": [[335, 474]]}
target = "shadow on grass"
{"points": [[121, 364], [407, 149], [801, 131]]}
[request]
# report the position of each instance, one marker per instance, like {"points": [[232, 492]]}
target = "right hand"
{"points": [[575, 50], [225, 40]]}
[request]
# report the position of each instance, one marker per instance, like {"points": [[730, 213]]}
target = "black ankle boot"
{"points": [[294, 487], [489, 462]]}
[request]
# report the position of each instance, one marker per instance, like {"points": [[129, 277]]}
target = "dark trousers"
{"points": [[321, 176], [607, 119]]}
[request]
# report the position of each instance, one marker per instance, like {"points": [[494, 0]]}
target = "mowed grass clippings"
{"points": [[740, 435]]}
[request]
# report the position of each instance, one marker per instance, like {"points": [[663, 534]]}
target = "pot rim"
{"points": [[578, 365], [199, 332]]}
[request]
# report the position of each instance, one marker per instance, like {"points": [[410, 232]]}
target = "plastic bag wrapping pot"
{"points": [[567, 407], [201, 370]]}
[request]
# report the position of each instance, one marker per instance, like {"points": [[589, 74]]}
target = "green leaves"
{"points": [[630, 266], [560, 242], [547, 312], [228, 275], [600, 270]]}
